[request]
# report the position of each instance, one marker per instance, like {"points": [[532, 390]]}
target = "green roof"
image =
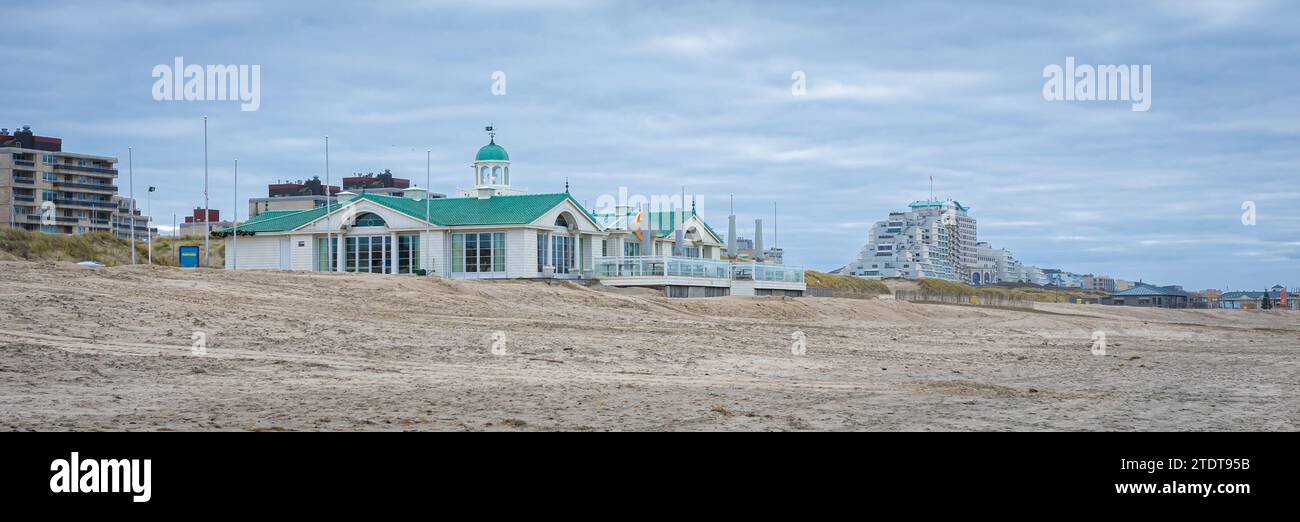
{"points": [[492, 152], [497, 210]]}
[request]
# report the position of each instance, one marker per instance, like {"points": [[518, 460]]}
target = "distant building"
{"points": [[1062, 279], [196, 226], [1122, 284], [312, 193], [1102, 283], [1147, 295], [1281, 298], [122, 220], [46, 189], [932, 239]]}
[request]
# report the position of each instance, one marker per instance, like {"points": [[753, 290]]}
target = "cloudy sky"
{"points": [[660, 95]]}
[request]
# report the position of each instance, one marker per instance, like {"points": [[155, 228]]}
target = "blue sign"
{"points": [[189, 256]]}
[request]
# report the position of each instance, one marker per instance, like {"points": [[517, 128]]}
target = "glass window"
{"points": [[458, 253], [541, 252], [478, 252], [370, 220], [631, 248], [408, 254], [350, 254], [498, 252], [325, 262], [562, 253]]}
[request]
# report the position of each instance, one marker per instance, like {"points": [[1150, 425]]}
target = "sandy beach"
{"points": [[113, 349]]}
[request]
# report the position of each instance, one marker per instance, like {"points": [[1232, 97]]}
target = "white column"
{"points": [[341, 254], [392, 254]]}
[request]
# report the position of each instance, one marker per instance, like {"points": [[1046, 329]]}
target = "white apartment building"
{"points": [[933, 239]]}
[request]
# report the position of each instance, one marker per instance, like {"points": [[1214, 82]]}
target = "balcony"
{"points": [[79, 168], [661, 267], [25, 181], [84, 203], [672, 271], [20, 197], [57, 219], [106, 187], [768, 272], [24, 163]]}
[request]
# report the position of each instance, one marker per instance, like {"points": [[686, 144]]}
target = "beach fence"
{"points": [[920, 296]]}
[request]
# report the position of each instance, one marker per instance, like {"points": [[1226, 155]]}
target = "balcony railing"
{"points": [[79, 168], [662, 266], [671, 266], [57, 219], [25, 181], [84, 203], [86, 186], [768, 272], [23, 163]]}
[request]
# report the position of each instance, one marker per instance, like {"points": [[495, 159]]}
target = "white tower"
{"points": [[491, 170]]}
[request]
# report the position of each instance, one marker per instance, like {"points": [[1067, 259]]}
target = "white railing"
{"points": [[673, 266], [768, 272], [661, 266]]}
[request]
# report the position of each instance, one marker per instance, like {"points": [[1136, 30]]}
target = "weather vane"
{"points": [[492, 133]]}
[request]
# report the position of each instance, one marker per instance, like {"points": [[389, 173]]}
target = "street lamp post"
{"points": [[148, 208], [130, 166], [234, 255]]}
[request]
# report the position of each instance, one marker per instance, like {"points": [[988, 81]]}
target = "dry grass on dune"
{"points": [[22, 245]]}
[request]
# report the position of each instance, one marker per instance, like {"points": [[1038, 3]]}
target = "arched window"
{"points": [[562, 221], [369, 219], [483, 175], [977, 279], [496, 175], [507, 180]]}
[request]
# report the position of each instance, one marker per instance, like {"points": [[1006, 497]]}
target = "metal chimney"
{"points": [[731, 236], [758, 240]]}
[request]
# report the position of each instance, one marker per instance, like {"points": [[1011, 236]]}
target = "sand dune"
{"points": [[111, 349]]}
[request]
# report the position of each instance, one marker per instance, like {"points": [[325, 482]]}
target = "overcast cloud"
{"points": [[655, 96]]}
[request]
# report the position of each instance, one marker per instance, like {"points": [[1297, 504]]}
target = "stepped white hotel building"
{"points": [[496, 231], [933, 239]]}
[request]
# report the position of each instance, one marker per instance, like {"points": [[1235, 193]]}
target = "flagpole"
{"points": [[329, 233], [428, 177], [130, 162], [234, 255], [148, 231], [207, 212]]}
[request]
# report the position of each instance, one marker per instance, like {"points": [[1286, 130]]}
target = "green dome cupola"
{"points": [[492, 152], [492, 164]]}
